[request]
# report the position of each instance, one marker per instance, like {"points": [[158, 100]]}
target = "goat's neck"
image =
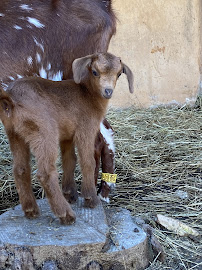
{"points": [[98, 103]]}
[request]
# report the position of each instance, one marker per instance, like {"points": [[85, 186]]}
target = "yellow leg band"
{"points": [[109, 178]]}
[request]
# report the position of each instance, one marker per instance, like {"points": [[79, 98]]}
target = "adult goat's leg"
{"points": [[107, 161], [68, 163], [22, 174]]}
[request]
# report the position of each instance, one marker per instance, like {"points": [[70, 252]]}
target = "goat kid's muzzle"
{"points": [[108, 93]]}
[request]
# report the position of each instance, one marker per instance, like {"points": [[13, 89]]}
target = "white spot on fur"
{"points": [[25, 7], [4, 86], [48, 66], [56, 77], [38, 57], [11, 78], [29, 60], [19, 76], [2, 15], [35, 22], [111, 185], [39, 44], [43, 73], [17, 27], [108, 136], [22, 18], [104, 199]]}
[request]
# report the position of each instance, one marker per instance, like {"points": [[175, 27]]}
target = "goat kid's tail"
{"points": [[6, 103]]}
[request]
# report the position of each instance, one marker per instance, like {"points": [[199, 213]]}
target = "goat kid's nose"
{"points": [[108, 93]]}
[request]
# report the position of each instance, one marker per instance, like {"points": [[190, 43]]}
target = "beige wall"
{"points": [[200, 48], [160, 41]]}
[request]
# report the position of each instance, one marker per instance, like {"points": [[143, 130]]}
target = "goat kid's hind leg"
{"points": [[68, 163], [22, 174], [85, 145], [48, 177]]}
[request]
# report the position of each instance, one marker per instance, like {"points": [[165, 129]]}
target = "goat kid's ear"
{"points": [[80, 68], [130, 77]]}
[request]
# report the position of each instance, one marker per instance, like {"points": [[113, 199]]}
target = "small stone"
{"points": [[3, 258], [136, 230], [183, 195], [94, 266], [49, 265]]}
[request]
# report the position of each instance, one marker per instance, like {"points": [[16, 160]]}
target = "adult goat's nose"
{"points": [[108, 92]]}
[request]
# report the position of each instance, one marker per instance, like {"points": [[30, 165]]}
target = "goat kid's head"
{"points": [[102, 70]]}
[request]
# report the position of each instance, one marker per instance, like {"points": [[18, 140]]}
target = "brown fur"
{"points": [[40, 115]]}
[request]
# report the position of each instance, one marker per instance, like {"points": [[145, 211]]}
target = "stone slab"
{"points": [[112, 239]]}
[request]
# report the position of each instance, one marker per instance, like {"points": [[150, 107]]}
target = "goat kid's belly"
{"points": [[79, 131]]}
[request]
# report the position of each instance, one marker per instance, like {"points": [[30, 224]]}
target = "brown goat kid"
{"points": [[39, 115]]}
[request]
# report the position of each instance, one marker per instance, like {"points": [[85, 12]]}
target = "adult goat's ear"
{"points": [[130, 77], [80, 68]]}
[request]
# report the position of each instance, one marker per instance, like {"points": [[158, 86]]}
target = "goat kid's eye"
{"points": [[95, 73], [119, 74]]}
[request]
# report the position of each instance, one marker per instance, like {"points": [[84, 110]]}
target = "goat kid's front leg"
{"points": [[22, 174], [85, 145], [68, 164]]}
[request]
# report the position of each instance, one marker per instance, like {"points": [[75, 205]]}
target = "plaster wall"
{"points": [[160, 41]]}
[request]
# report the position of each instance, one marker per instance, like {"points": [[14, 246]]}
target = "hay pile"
{"points": [[159, 167], [159, 163]]}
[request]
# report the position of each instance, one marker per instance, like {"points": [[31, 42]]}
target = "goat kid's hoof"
{"points": [[71, 195], [69, 219], [91, 202], [32, 213]]}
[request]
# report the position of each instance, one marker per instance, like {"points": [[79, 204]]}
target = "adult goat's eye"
{"points": [[95, 73]]}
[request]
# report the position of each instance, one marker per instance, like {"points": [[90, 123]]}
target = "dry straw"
{"points": [[159, 167]]}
